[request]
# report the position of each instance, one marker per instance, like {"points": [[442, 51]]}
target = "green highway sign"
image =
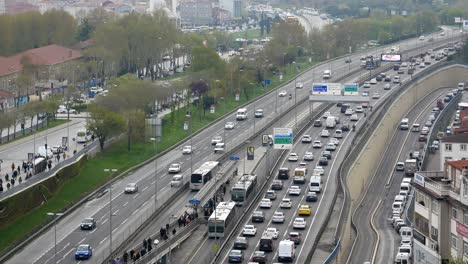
{"points": [[351, 89], [282, 138], [283, 141]]}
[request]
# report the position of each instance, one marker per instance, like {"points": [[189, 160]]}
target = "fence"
{"points": [[19, 132]]}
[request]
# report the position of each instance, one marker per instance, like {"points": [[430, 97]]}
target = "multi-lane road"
{"points": [[128, 210]]}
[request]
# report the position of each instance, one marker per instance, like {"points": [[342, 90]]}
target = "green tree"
{"points": [[104, 123], [85, 30]]}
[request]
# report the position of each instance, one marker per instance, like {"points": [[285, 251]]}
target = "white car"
{"points": [[278, 217], [293, 157], [325, 133], [330, 147], [326, 114], [174, 168], [387, 86], [375, 96], [422, 38], [272, 231], [299, 223], [286, 203], [359, 109], [299, 85], [215, 140], [349, 111], [294, 190], [249, 230], [229, 125], [428, 123], [265, 203], [366, 85], [335, 141], [65, 111], [354, 118], [308, 156], [373, 81], [319, 170], [131, 188], [338, 134], [306, 139], [317, 144], [187, 150], [282, 94]]}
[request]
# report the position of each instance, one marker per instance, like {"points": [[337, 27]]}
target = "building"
{"points": [[453, 148], [196, 13], [237, 9]]}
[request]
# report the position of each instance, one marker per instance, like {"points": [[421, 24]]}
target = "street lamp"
{"points": [[110, 210], [245, 156], [55, 215], [254, 105], [295, 96], [155, 146]]}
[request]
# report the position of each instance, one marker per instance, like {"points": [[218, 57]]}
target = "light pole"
{"points": [[245, 157], [55, 215], [110, 210], [254, 105], [155, 146], [295, 96]]}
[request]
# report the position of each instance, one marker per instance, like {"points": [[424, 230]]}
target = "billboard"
{"points": [[465, 24], [326, 89], [458, 20], [391, 57]]}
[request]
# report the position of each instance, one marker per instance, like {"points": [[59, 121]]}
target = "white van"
{"points": [[404, 124], [83, 136], [396, 79], [400, 198], [461, 86], [286, 251], [330, 122], [406, 233], [241, 114], [397, 208], [405, 187], [46, 153], [415, 128], [315, 184], [406, 180], [327, 74]]}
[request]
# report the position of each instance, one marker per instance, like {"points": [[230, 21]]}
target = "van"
{"points": [[219, 147], [406, 180], [405, 249], [177, 180], [286, 251], [315, 184], [415, 128], [330, 122], [405, 187], [266, 243], [461, 86], [397, 207], [327, 74], [400, 198], [241, 114], [404, 124], [406, 233], [300, 175], [42, 151]]}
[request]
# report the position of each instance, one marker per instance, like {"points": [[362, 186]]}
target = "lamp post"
{"points": [[110, 210], [55, 215], [155, 146], [245, 157], [254, 105], [295, 95]]}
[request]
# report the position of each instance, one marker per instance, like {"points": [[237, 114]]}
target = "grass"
{"points": [[51, 123], [117, 157]]}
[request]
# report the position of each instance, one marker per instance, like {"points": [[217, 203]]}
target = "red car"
{"points": [[422, 138], [259, 256]]}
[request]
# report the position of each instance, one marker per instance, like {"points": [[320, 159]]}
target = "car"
{"points": [[285, 203], [317, 144], [349, 111], [258, 217], [422, 38], [217, 139], [259, 257], [400, 166], [258, 113], [366, 85], [294, 190], [83, 251], [299, 85], [335, 141], [324, 133], [379, 78], [330, 147], [425, 130], [373, 81], [304, 209], [404, 64], [311, 197], [306, 139], [175, 168], [320, 170], [295, 237], [428, 123], [375, 95], [272, 231], [66, 111], [88, 224], [354, 118], [323, 161], [187, 150], [388, 79], [56, 149], [236, 256], [387, 86], [365, 93], [326, 115], [348, 60], [308, 156], [270, 194], [299, 223], [359, 109], [265, 203], [327, 154], [277, 185], [282, 94], [422, 138], [345, 127], [229, 126], [249, 230], [177, 180], [422, 65], [442, 33], [293, 157], [338, 134], [241, 243], [401, 71], [131, 188], [318, 123], [396, 79], [278, 217]]}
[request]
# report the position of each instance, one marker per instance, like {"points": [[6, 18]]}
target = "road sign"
{"points": [[250, 153], [267, 82], [234, 158], [351, 89], [282, 138], [237, 96], [326, 88], [319, 88], [465, 24], [212, 109]]}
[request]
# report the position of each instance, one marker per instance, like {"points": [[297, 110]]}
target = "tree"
{"points": [[199, 88], [85, 30], [104, 123]]}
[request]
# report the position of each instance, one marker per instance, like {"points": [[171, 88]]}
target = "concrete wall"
{"points": [[367, 162]]}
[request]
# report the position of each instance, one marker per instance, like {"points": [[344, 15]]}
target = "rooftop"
{"points": [[458, 164], [458, 138]]}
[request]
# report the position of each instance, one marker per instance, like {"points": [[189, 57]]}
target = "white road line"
{"points": [[102, 241], [116, 211], [94, 230], [144, 189], [63, 248], [66, 254], [134, 212], [81, 241], [124, 221], [124, 204], [102, 218], [105, 220]]}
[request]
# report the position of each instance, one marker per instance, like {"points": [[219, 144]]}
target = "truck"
{"points": [[286, 251], [330, 122], [241, 114], [315, 184], [299, 175], [411, 166]]}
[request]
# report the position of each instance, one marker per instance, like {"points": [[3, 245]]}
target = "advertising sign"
{"points": [[212, 109], [250, 153], [186, 125], [462, 230], [351, 89], [391, 57], [458, 20], [64, 141], [419, 179], [282, 138], [237, 96]]}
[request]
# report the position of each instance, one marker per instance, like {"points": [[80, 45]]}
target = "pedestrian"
{"points": [[137, 255], [117, 261], [161, 232], [7, 177], [30, 174], [49, 164], [150, 247], [150, 241], [74, 152], [20, 180], [12, 182], [19, 170], [173, 232], [143, 252], [145, 243], [132, 254], [13, 167], [224, 189], [92, 137], [8, 186], [125, 257], [15, 173], [58, 157], [1, 188], [64, 155]]}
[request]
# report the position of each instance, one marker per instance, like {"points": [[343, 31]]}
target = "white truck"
{"points": [[241, 114], [330, 122], [315, 184], [403, 258], [411, 166], [286, 251], [327, 74], [300, 175]]}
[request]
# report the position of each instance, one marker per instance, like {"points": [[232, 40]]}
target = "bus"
{"points": [[243, 188], [203, 174], [221, 220]]}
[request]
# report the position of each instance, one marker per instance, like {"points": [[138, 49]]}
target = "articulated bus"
{"points": [[221, 220], [243, 188], [203, 174]]}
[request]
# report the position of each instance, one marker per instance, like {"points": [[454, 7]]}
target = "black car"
{"points": [[379, 78], [323, 161], [283, 173], [388, 79], [339, 104], [241, 243], [311, 197], [258, 217], [344, 127], [396, 67], [259, 256], [327, 154], [277, 185], [88, 224]]}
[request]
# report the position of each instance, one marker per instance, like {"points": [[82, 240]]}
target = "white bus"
{"points": [[203, 174], [221, 220]]}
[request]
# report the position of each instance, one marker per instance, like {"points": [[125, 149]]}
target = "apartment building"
{"points": [[453, 147]]}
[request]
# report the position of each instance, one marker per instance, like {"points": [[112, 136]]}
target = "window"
{"points": [[448, 147], [454, 241], [454, 213], [434, 233], [465, 218], [463, 147], [465, 248], [435, 206], [421, 198]]}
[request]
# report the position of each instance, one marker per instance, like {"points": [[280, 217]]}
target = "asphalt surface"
{"points": [[385, 185], [128, 210]]}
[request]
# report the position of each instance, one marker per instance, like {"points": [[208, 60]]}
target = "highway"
{"points": [[128, 210], [385, 184]]}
